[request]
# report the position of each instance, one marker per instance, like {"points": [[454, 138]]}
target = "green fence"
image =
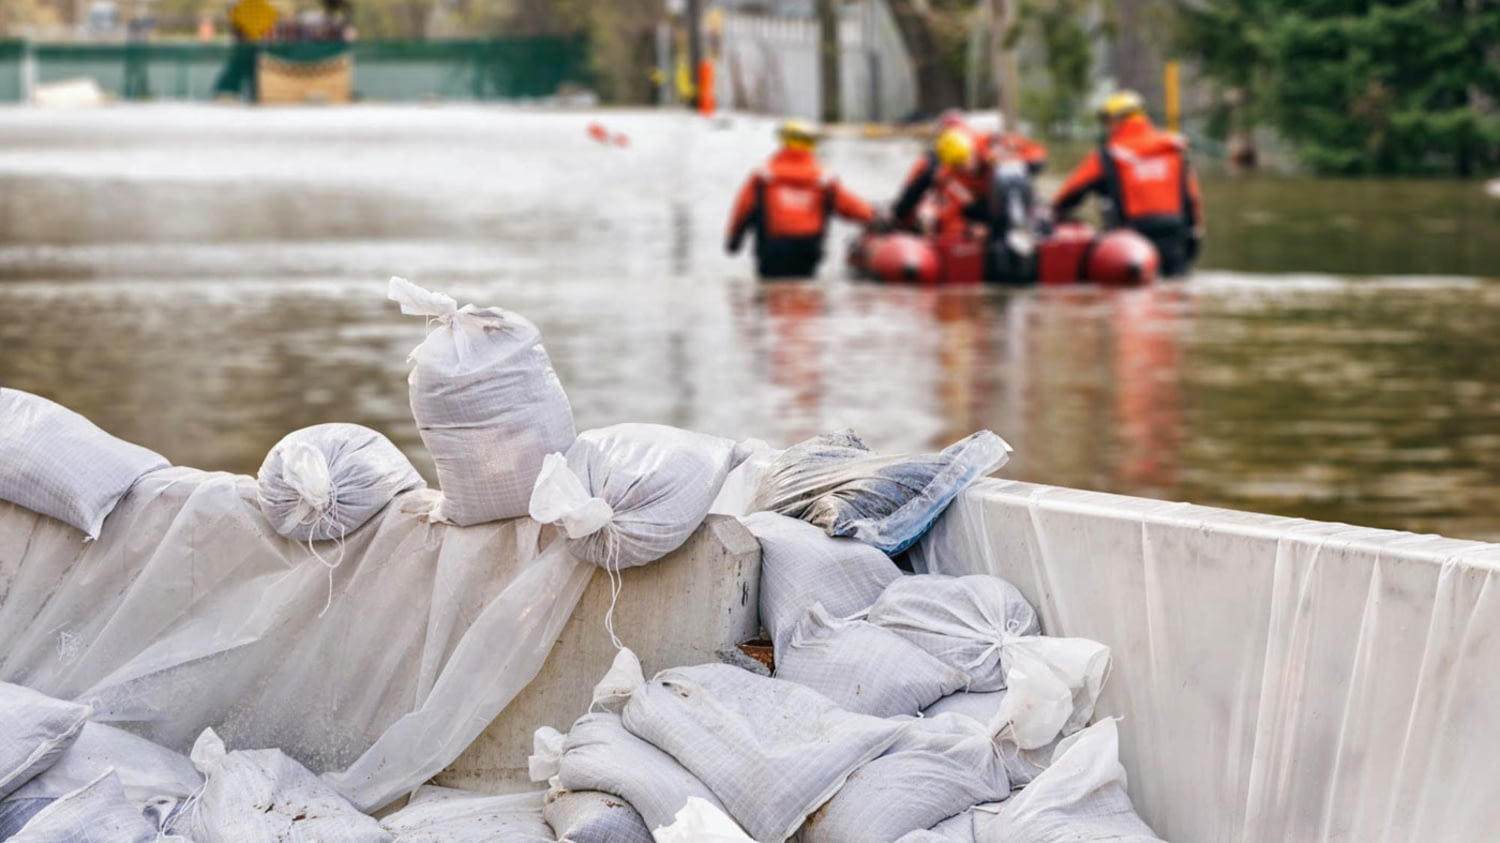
{"points": [[495, 69]]}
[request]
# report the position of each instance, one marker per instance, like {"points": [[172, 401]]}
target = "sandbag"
{"points": [[862, 667], [629, 494], [58, 463], [1021, 765], [325, 481], [800, 564], [15, 813], [837, 483], [487, 402], [35, 731], [262, 796], [598, 753], [956, 829], [593, 816], [1080, 798], [981, 706], [963, 621], [145, 771], [771, 750], [939, 767], [446, 815], [96, 813]]}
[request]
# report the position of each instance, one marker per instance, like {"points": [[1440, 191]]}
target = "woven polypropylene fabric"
{"points": [[96, 813], [592, 816], [939, 767], [956, 829], [1080, 798], [659, 480], [15, 813], [58, 463], [366, 471], [262, 794], [864, 668], [35, 731], [599, 754], [446, 815], [489, 407], [800, 565], [772, 751], [960, 620]]}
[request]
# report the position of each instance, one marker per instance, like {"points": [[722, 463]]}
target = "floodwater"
{"points": [[203, 280]]}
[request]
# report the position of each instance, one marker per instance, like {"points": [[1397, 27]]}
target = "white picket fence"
{"points": [[769, 65]]}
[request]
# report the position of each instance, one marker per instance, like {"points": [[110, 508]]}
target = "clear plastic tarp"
{"points": [[1279, 679], [191, 612]]}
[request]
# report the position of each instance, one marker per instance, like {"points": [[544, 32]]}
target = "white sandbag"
{"points": [[939, 767], [325, 481], [800, 564], [982, 706], [1054, 684], [956, 829], [630, 494], [961, 620], [58, 463], [35, 731], [598, 753], [96, 813], [446, 815], [1080, 798], [262, 796], [700, 822], [146, 771], [487, 402], [771, 750], [1021, 765], [593, 816], [15, 813], [839, 484], [862, 667]]}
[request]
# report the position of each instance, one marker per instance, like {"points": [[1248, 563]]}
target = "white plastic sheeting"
{"points": [[1279, 679], [191, 612]]}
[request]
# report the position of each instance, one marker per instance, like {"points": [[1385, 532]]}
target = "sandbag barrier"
{"points": [[904, 707]]}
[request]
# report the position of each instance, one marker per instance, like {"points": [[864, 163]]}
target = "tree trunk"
{"points": [[937, 89], [695, 46], [828, 55]]}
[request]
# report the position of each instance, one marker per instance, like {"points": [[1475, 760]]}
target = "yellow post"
{"points": [[1172, 88]]}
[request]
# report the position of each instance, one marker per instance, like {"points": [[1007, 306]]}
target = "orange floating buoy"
{"points": [[598, 132], [622, 140]]}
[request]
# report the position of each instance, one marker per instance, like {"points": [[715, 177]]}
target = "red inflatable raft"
{"points": [[1075, 253]]}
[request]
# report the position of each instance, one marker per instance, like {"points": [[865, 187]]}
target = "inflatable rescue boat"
{"points": [[1074, 253]]}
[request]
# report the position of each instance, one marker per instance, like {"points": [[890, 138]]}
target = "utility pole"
{"points": [[828, 41], [1003, 63], [695, 46]]}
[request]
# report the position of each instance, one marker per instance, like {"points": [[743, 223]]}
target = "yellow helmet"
{"points": [[1122, 104], [799, 133], [954, 148]]}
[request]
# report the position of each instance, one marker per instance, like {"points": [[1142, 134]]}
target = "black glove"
{"points": [[1194, 245]]}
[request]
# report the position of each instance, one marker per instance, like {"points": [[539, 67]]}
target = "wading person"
{"points": [[788, 204], [1144, 175]]}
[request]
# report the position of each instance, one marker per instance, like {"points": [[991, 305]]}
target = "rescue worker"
{"points": [[958, 176], [1144, 174], [788, 204]]}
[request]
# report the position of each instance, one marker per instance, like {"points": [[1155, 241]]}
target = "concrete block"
{"points": [[679, 611]]}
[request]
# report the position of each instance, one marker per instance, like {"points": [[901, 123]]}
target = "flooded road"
{"points": [[205, 280]]}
